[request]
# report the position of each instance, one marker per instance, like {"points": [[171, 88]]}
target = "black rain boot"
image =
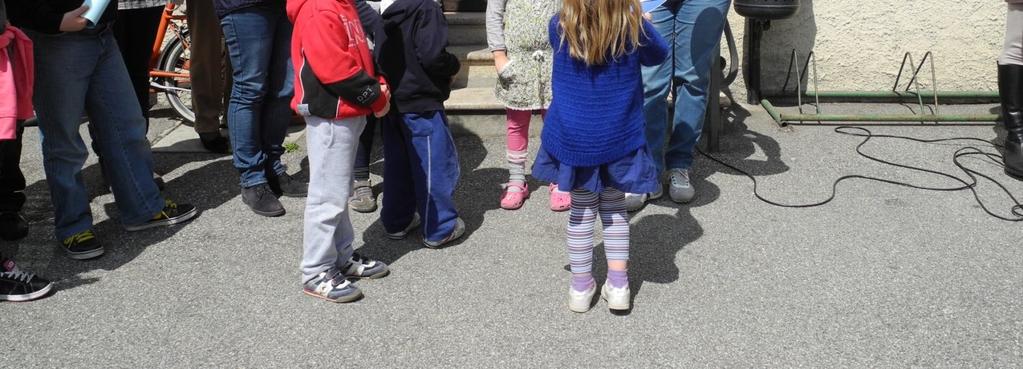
{"points": [[1010, 89]]}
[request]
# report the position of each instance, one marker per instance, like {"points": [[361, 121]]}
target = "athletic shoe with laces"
{"points": [[617, 298], [636, 201], [359, 266], [18, 285], [455, 234], [581, 301], [408, 229], [681, 190], [83, 246], [171, 214], [332, 286], [362, 199]]}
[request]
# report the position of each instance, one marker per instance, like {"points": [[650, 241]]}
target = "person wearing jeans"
{"points": [[692, 29], [258, 37], [80, 70]]}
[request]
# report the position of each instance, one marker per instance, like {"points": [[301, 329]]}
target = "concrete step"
{"points": [[466, 28]]}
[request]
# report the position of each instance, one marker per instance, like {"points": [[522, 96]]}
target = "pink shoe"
{"points": [[560, 200], [513, 200]]}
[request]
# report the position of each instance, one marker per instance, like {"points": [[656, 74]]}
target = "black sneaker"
{"points": [[262, 201], [18, 285], [83, 246], [215, 142], [332, 286], [13, 226], [170, 215], [359, 266], [285, 185]]}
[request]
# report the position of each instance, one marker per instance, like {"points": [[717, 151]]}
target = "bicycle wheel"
{"points": [[176, 58]]}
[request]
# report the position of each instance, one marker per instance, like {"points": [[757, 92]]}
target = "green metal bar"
{"points": [[888, 118], [772, 111], [900, 96]]}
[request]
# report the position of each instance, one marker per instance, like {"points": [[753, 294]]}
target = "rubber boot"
{"points": [[1010, 89]]}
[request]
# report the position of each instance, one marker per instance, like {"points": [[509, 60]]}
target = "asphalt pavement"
{"points": [[883, 276]]}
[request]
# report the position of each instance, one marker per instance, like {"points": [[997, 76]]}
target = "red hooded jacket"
{"points": [[334, 71]]}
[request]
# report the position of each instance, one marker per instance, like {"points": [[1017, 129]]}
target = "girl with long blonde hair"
{"points": [[592, 142]]}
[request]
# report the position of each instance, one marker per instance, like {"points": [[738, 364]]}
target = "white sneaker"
{"points": [[635, 201], [580, 301], [617, 298]]}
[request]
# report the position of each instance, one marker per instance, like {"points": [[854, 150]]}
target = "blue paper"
{"points": [[650, 5], [95, 12]]}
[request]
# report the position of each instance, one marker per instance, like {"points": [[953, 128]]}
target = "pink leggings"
{"points": [[518, 129], [518, 143]]}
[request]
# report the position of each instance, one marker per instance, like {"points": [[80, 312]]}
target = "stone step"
{"points": [[466, 28]]}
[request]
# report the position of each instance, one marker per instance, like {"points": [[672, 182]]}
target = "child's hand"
{"points": [[500, 60], [648, 16], [73, 21], [384, 111]]}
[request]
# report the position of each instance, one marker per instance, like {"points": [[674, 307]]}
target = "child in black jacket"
{"points": [[421, 163]]}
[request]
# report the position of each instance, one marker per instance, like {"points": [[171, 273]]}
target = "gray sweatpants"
{"points": [[328, 229], [1012, 52]]}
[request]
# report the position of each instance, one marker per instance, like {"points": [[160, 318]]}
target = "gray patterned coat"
{"points": [[520, 28]]}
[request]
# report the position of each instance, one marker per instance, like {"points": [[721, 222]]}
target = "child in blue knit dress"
{"points": [[592, 142]]}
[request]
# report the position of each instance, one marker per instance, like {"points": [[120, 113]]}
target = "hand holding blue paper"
{"points": [[96, 9], [650, 5]]}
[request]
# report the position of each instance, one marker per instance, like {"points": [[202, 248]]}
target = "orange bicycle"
{"points": [[171, 60]]}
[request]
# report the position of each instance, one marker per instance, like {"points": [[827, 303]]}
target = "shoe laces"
{"points": [[79, 238], [363, 191], [680, 178]]}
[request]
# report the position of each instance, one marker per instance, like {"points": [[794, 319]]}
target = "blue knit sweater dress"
{"points": [[593, 136]]}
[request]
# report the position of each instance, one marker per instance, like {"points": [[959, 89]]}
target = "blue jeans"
{"points": [[258, 41], [420, 173], [693, 29], [84, 72]]}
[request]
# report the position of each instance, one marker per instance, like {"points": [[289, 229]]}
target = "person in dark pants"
{"points": [[15, 284], [78, 71], [1010, 88], [258, 37], [422, 168], [363, 200], [210, 73], [135, 31]]}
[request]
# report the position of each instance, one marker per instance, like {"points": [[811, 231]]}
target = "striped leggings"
{"points": [[610, 204]]}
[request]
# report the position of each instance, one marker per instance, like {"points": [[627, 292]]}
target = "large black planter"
{"points": [[766, 9], [465, 5]]}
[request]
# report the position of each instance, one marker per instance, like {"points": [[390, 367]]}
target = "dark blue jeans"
{"points": [[84, 72], [420, 173], [258, 41]]}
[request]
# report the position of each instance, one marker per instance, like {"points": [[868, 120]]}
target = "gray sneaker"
{"points": [[362, 197], [455, 234], [636, 201], [682, 190], [332, 286], [408, 229]]}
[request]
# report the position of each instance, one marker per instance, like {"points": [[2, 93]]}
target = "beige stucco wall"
{"points": [[860, 43]]}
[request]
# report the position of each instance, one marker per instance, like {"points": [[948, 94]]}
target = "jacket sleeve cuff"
{"points": [[49, 23]]}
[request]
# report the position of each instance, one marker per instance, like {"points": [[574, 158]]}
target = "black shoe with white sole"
{"points": [[83, 246], [18, 285], [171, 214]]}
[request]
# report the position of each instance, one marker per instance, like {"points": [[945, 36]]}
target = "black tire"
{"points": [[174, 58]]}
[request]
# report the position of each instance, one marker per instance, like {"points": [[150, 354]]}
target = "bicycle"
{"points": [[171, 60]]}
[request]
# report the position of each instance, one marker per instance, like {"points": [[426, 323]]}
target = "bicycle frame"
{"points": [[154, 59]]}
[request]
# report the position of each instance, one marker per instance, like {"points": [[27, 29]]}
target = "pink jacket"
{"points": [[16, 81]]}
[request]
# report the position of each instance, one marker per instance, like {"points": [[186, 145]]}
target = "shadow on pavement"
{"points": [[206, 187]]}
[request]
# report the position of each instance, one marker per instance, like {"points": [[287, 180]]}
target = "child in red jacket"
{"points": [[336, 87]]}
